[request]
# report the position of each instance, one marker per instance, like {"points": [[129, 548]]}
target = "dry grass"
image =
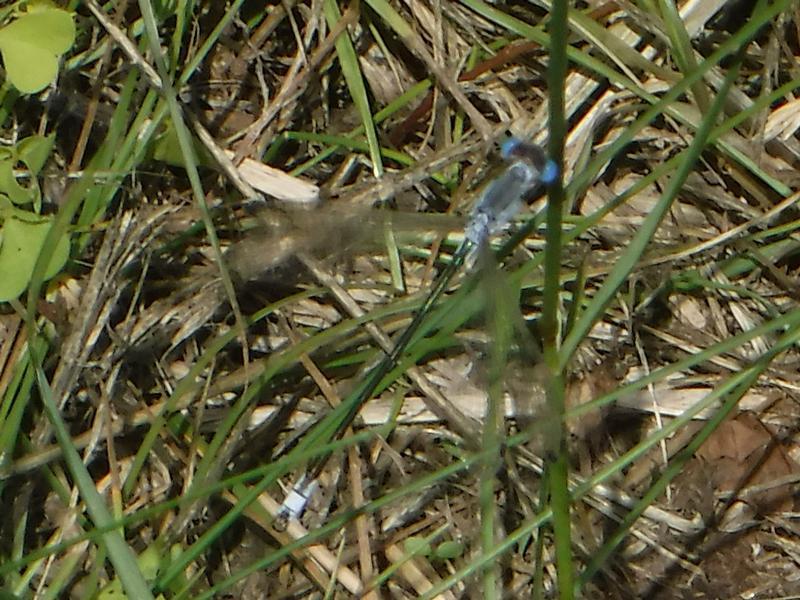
{"points": [[195, 388]]}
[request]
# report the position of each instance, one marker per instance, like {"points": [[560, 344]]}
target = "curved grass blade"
{"points": [[641, 239], [348, 60], [120, 554]]}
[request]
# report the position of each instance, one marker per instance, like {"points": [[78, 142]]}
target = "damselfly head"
{"points": [[515, 149]]}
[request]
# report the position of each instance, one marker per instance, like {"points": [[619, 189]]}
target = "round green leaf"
{"points": [[29, 68], [48, 27], [32, 44], [417, 546], [449, 550], [22, 241]]}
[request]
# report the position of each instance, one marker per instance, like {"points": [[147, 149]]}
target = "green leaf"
{"points": [[415, 545], [35, 150], [21, 239], [148, 562], [449, 550], [167, 149], [32, 45], [16, 192]]}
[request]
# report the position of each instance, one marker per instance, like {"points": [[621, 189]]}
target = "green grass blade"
{"points": [[190, 161], [119, 553], [682, 50], [348, 60], [731, 390], [627, 262], [556, 439]]}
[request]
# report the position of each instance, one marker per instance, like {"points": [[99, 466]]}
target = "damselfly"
{"points": [[526, 168]]}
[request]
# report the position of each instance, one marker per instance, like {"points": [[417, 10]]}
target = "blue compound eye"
{"points": [[509, 147], [549, 173]]}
